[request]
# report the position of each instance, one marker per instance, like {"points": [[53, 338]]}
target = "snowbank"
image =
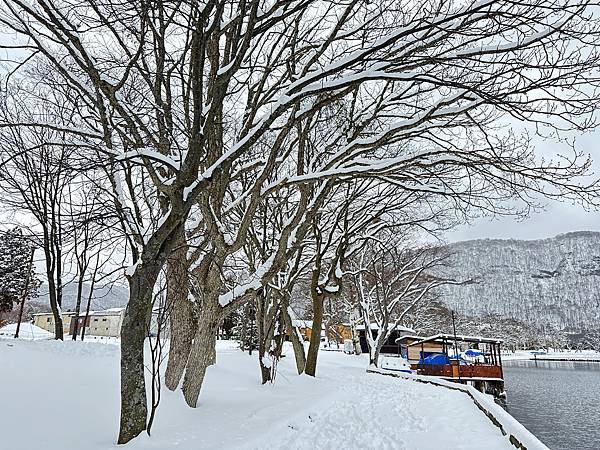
{"points": [[27, 331], [515, 432], [63, 394], [552, 355]]}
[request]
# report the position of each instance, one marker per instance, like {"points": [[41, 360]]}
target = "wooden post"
{"points": [[24, 293], [455, 346], [500, 362]]}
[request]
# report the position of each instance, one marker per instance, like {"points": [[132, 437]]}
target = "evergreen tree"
{"points": [[15, 254], [244, 329]]}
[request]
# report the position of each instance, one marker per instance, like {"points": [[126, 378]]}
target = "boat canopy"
{"points": [[461, 338]]}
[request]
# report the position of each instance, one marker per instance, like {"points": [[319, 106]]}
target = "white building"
{"points": [[102, 323]]}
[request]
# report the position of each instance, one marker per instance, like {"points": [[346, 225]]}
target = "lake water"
{"points": [[557, 401]]}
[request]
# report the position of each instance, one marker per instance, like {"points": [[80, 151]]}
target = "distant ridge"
{"points": [[553, 281], [104, 297]]}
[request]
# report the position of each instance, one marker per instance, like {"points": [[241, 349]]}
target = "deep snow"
{"points": [[27, 331], [57, 395]]}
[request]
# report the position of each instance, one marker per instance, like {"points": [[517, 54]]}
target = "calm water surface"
{"points": [[559, 402]]}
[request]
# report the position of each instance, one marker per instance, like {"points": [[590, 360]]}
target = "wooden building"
{"points": [[411, 353], [390, 346], [338, 332]]}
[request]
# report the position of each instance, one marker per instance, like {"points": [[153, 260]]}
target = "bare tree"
{"points": [[390, 281], [36, 182], [95, 239], [213, 108]]}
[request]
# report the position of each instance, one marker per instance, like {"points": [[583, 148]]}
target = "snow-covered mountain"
{"points": [[104, 297], [553, 281]]}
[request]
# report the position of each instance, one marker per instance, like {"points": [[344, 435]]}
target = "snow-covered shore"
{"points": [[58, 393], [552, 355]]}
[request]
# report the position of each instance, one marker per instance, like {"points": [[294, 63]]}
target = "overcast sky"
{"points": [[558, 217]]}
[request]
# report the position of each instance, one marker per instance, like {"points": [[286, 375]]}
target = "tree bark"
{"points": [[297, 344], [78, 306], [202, 353], [263, 322], [136, 322], [315, 335], [181, 313], [375, 350], [355, 338], [56, 310]]}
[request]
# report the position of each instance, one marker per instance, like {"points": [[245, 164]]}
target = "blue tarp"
{"points": [[435, 360], [472, 352]]}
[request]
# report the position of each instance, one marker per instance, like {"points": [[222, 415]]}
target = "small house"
{"points": [[106, 323], [411, 353], [390, 346], [45, 321]]}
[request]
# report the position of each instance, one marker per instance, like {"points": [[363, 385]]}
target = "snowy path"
{"points": [[58, 395]]}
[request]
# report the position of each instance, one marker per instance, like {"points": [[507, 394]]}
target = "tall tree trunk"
{"points": [[265, 367], [78, 306], [264, 336], [54, 293], [375, 347], [56, 310], [296, 340], [180, 311], [89, 299], [202, 353], [315, 335], [355, 338], [136, 323]]}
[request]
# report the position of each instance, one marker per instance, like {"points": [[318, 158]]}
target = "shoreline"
{"points": [[568, 356]]}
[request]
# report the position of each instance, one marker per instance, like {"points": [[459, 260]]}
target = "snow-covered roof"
{"points": [[49, 313], [101, 312], [458, 337], [374, 326], [106, 312], [409, 336]]}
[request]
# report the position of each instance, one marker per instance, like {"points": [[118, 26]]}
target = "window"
{"points": [[95, 320], [103, 320], [48, 319], [106, 328]]}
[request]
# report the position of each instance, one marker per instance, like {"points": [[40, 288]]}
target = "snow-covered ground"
{"points": [[570, 355], [27, 331], [59, 394]]}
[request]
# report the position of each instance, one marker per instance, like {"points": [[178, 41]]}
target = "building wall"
{"points": [[390, 347], [339, 332], [97, 324], [46, 321], [414, 351], [104, 325]]}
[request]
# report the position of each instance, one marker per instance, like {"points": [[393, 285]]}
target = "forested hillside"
{"points": [[553, 281]]}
